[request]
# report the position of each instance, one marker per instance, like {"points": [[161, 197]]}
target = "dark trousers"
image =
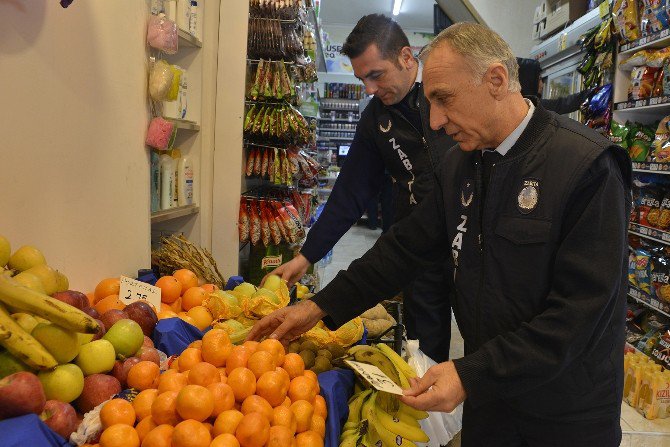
{"points": [[427, 313], [499, 425]]}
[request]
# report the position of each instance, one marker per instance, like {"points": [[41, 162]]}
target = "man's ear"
{"points": [[497, 79], [406, 58]]}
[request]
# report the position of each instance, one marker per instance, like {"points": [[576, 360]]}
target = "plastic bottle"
{"points": [[155, 182], [193, 22], [185, 179], [176, 156], [167, 181]]}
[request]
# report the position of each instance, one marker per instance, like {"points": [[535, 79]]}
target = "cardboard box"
{"points": [[562, 12]]}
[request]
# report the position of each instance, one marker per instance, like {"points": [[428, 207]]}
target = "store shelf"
{"points": [[658, 40], [641, 297], [657, 104], [650, 233], [188, 40], [651, 167], [338, 120], [338, 109], [173, 213], [185, 124]]}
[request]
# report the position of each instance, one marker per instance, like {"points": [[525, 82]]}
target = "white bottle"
{"points": [[185, 181], [193, 22], [183, 14], [176, 156], [167, 181], [183, 96]]}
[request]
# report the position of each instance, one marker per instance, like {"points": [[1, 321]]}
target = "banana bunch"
{"points": [[17, 340], [377, 418]]}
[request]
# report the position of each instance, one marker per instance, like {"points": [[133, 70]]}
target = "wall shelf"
{"points": [[651, 167], [173, 213], [652, 303], [188, 40], [650, 233], [185, 124], [657, 40]]}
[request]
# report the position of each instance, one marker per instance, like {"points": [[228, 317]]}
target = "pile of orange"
{"points": [[219, 395], [182, 297]]}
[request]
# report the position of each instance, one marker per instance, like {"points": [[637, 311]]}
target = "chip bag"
{"points": [[638, 59], [642, 82], [662, 141], [626, 19], [643, 270], [650, 206], [619, 134], [640, 142], [664, 216], [654, 16], [631, 268]]}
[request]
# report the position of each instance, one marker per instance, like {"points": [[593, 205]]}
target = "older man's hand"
{"points": [[288, 323], [440, 389]]}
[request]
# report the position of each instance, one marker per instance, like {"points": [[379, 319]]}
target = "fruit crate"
{"points": [[393, 336]]}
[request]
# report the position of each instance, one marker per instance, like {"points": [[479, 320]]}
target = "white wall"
{"points": [[73, 115], [512, 19]]}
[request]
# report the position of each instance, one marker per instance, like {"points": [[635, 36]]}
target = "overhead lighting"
{"points": [[396, 7]]}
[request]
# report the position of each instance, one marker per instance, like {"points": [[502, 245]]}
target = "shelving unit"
{"points": [[651, 167], [185, 124], [189, 40], [174, 213], [641, 297], [650, 233]]}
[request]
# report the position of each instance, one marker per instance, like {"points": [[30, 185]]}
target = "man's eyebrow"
{"points": [[371, 73], [440, 92]]}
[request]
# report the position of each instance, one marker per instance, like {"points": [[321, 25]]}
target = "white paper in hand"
{"points": [[375, 377]]}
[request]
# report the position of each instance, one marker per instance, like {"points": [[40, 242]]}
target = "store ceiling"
{"points": [[414, 14]]}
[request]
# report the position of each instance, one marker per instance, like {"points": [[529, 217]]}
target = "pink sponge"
{"points": [[160, 131], [162, 34]]}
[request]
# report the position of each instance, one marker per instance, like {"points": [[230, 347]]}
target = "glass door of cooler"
{"points": [[563, 82]]}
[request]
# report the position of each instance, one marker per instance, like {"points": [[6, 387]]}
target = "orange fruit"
{"points": [[287, 403], [106, 287], [195, 402], [261, 362], [285, 417], [191, 433], [294, 365], [275, 348], [209, 427], [209, 288], [119, 435], [186, 278], [320, 407], [303, 412], [251, 346], [91, 298], [302, 388], [166, 314], [202, 317], [189, 358], [160, 436], [203, 374], [216, 347], [144, 427], [272, 387], [164, 408], [225, 440], [224, 398], [284, 375], [170, 289], [308, 439], [312, 375], [196, 344], [223, 375], [117, 411], [142, 403], [171, 380], [227, 422], [243, 383], [253, 430], [143, 375], [280, 436], [318, 425], [238, 358], [174, 364], [176, 306], [256, 404], [193, 297], [108, 303]]}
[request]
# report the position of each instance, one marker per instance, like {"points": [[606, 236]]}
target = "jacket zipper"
{"points": [[423, 138]]}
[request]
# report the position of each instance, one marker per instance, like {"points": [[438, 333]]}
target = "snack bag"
{"points": [[625, 19], [638, 59], [650, 207], [643, 270], [664, 216], [660, 277], [640, 142], [619, 134], [654, 16], [632, 261], [665, 78], [661, 144], [656, 58], [642, 81]]}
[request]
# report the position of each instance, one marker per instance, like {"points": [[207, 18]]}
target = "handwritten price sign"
{"points": [[133, 290], [375, 377]]}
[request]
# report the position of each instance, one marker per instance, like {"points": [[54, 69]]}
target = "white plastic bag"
{"points": [[440, 427]]}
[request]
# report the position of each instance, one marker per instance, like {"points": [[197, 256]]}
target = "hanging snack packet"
{"points": [[643, 270], [625, 19], [640, 142], [619, 134]]}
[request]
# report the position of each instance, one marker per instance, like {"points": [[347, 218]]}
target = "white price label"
{"points": [[664, 33], [375, 377], [563, 42], [133, 290]]}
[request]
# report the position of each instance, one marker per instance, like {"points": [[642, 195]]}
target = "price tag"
{"points": [[563, 41], [665, 237], [604, 9], [653, 101], [654, 303], [133, 290], [375, 377]]}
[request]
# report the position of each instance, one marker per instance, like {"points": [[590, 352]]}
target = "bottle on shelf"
{"points": [[185, 181], [167, 181], [155, 182]]}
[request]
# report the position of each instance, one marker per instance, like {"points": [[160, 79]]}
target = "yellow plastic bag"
{"points": [[223, 305], [349, 333]]}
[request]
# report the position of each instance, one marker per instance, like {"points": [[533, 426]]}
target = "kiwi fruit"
{"points": [[308, 357], [324, 353], [322, 363], [308, 345], [294, 347], [336, 350]]}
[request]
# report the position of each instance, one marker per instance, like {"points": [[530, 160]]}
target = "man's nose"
{"points": [[438, 119], [370, 87]]}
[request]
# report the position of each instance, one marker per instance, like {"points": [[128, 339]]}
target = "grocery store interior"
{"points": [[163, 151]]}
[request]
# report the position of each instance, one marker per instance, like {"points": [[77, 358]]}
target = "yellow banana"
{"points": [[412, 412], [355, 406], [399, 427], [373, 356], [387, 437], [397, 361], [22, 345], [69, 317]]}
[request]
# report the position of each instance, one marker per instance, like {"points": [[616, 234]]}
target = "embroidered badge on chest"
{"points": [[467, 193], [528, 196], [385, 129]]}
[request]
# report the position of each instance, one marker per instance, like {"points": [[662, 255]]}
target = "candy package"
{"points": [[626, 19], [162, 34], [643, 80], [654, 16], [159, 133], [662, 141], [160, 80], [640, 139]]}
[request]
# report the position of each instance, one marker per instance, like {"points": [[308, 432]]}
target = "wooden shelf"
{"points": [[188, 40], [173, 213]]}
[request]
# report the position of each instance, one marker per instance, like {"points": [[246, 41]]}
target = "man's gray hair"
{"points": [[481, 47]]}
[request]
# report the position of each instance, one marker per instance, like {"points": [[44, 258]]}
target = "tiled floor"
{"points": [[637, 431]]}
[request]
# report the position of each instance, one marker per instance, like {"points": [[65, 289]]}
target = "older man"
{"points": [[531, 215]]}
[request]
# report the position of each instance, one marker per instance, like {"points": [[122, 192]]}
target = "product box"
{"points": [[561, 12], [262, 260]]}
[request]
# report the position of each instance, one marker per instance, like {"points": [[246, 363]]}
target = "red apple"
{"points": [[97, 389], [148, 342], [73, 298], [60, 417], [149, 354], [142, 313], [21, 393], [112, 316], [121, 368], [91, 312], [101, 331]]}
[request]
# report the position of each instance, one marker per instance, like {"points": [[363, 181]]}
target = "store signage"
{"points": [[375, 377], [271, 261], [132, 290]]}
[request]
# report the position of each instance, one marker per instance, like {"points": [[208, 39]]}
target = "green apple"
{"points": [[26, 321], [10, 364], [64, 383], [61, 343], [62, 283], [245, 289], [272, 282], [30, 281], [126, 336], [5, 251], [96, 357], [26, 257], [47, 276]]}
